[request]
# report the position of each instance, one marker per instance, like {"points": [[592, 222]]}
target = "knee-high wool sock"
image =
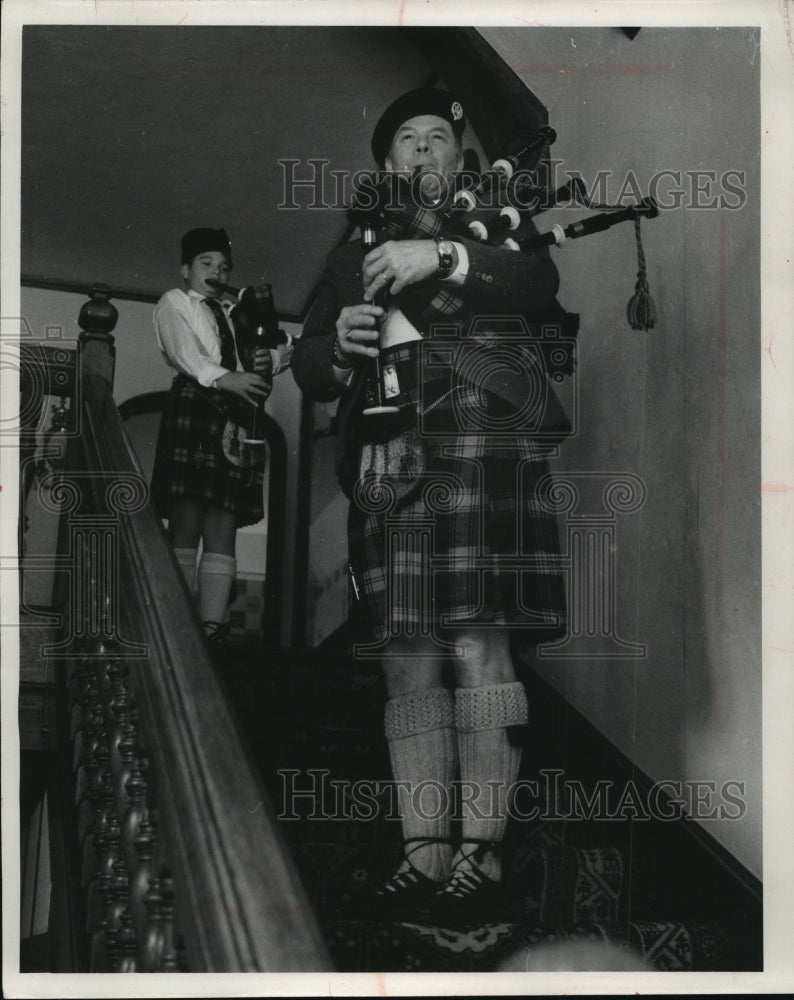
{"points": [[489, 763], [216, 574], [186, 560], [422, 751]]}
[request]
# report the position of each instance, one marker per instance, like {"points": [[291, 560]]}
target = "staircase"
{"points": [[590, 894], [147, 841], [200, 813]]}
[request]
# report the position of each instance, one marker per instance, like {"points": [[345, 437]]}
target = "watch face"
{"points": [[445, 257]]}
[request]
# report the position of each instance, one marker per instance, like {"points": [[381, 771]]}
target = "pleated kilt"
{"points": [[449, 526], [190, 461]]}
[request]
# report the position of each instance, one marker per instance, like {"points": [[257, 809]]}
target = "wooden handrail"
{"points": [[238, 904]]}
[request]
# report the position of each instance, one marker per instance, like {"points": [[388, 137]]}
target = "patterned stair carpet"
{"points": [[611, 895]]}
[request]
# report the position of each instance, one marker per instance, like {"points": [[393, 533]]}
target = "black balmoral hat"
{"points": [[201, 240], [424, 101]]}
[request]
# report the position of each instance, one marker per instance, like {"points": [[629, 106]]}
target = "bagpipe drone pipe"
{"points": [[494, 208]]}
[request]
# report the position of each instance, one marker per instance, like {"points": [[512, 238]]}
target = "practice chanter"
{"points": [[255, 327], [375, 400]]}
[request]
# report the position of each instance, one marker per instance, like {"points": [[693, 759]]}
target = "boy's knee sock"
{"points": [[422, 751], [186, 559], [216, 573], [490, 757]]}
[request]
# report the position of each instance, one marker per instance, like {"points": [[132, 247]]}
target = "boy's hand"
{"points": [[247, 385], [263, 361]]}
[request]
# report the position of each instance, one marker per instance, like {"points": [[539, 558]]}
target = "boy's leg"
{"points": [[217, 568], [184, 529]]}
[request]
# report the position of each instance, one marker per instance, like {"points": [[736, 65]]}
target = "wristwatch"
{"points": [[446, 258]]}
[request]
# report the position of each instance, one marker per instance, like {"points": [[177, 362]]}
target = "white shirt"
{"points": [[187, 335]]}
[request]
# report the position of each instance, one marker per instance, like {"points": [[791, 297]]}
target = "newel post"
{"points": [[97, 318]]}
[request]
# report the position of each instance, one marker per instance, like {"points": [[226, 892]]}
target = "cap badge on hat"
{"points": [[456, 111]]}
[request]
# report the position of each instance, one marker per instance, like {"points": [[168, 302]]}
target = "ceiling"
{"points": [[133, 135]]}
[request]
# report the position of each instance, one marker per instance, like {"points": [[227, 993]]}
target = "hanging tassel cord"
{"points": [[641, 309]]}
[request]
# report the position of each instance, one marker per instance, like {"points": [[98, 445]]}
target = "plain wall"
{"points": [[678, 406]]}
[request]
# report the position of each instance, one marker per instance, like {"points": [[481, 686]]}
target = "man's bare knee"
{"points": [[486, 658], [409, 666]]}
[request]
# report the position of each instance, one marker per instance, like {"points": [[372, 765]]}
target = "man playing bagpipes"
{"points": [[441, 432]]}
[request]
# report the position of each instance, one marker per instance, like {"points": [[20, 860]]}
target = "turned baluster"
{"points": [[95, 768], [81, 689], [168, 956], [151, 942], [116, 691], [85, 772], [99, 887], [127, 945], [104, 938], [117, 906], [141, 878], [128, 745], [107, 672], [90, 732], [94, 842], [135, 813]]}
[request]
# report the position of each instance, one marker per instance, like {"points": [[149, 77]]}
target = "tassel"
{"points": [[641, 310]]}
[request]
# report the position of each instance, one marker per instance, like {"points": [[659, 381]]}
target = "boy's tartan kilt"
{"points": [[189, 460], [450, 528]]}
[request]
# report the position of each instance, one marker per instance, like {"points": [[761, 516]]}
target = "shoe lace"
{"points": [[401, 880], [406, 875], [462, 883]]}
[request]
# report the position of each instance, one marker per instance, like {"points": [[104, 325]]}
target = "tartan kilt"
{"points": [[189, 459], [451, 529]]}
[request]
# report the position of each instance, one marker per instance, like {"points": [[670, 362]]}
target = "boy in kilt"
{"points": [[207, 488], [451, 547]]}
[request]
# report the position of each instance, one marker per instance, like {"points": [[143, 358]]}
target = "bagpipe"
{"points": [[490, 208], [255, 325], [484, 207]]}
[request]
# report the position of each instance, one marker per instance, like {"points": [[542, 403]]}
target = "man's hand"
{"points": [[397, 264], [263, 361], [247, 385], [357, 331]]}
